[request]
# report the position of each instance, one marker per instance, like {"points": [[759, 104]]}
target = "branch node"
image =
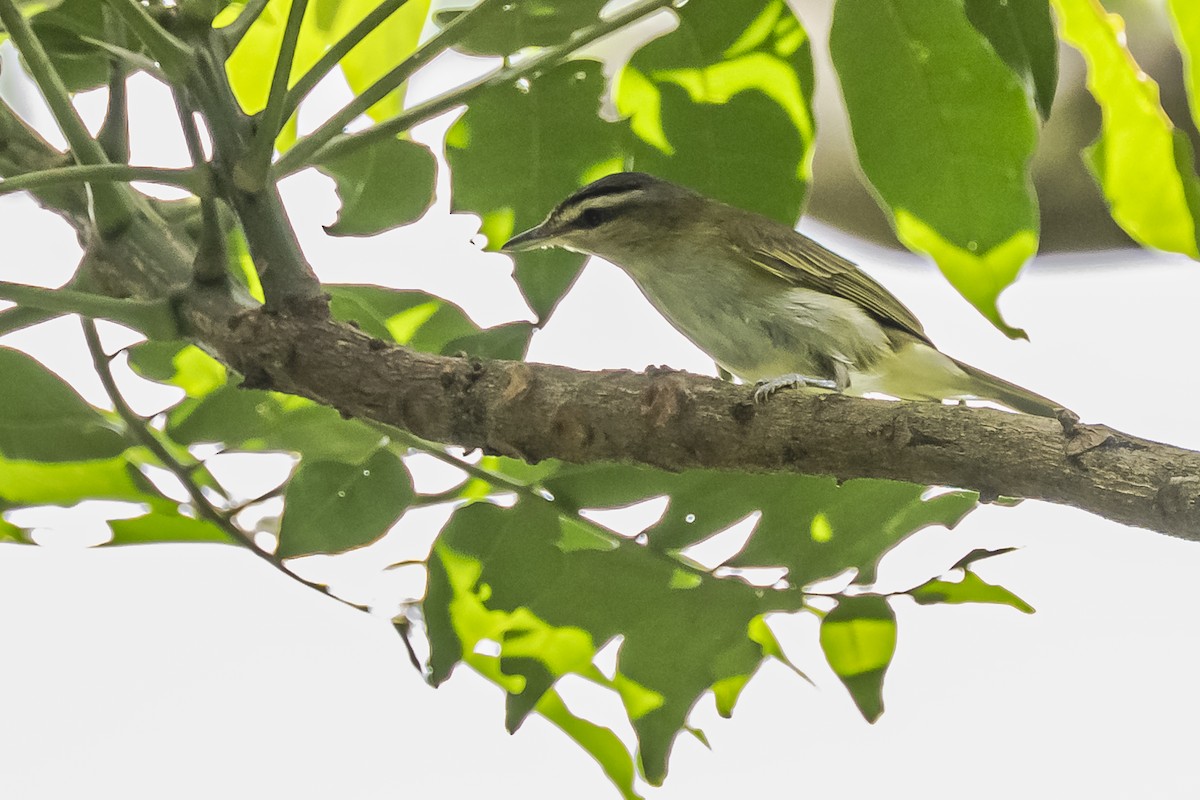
{"points": [[1179, 498], [665, 398]]}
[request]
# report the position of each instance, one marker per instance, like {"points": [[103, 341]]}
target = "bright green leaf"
{"points": [[945, 132], [159, 526], [735, 71], [29, 483], [1142, 162], [971, 589], [381, 187], [858, 639], [600, 742], [385, 47], [45, 419], [332, 506], [1185, 17]]}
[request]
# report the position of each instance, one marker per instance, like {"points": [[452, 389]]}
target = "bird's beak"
{"points": [[537, 236]]}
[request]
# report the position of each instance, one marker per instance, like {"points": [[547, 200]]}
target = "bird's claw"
{"points": [[765, 388]]}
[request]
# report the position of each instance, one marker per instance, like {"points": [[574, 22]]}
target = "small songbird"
{"points": [[767, 303]]}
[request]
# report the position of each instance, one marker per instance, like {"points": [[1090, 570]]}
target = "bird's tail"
{"points": [[986, 386]]}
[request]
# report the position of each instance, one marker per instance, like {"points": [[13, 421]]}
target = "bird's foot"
{"points": [[764, 389]]}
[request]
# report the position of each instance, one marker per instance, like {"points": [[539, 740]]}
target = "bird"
{"points": [[768, 304]]}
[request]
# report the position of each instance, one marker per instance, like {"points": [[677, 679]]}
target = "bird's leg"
{"points": [[765, 388], [841, 379]]}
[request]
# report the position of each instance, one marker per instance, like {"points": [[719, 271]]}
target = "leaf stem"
{"points": [[112, 206], [154, 318], [341, 144], [100, 173], [140, 432], [234, 31], [334, 54], [172, 53], [274, 116], [301, 152]]}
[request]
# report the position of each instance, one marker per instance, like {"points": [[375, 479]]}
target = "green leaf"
{"points": [[31, 8], [1143, 164], [163, 526], [179, 363], [389, 44], [62, 31], [1022, 33], [945, 132], [332, 506], [520, 149], [12, 534], [971, 589], [502, 29], [45, 419], [28, 483], [734, 71], [859, 640], [1185, 19], [424, 322], [809, 524], [249, 419], [381, 187], [504, 575], [599, 742]]}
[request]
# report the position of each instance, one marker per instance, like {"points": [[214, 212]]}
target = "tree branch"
{"points": [[665, 419], [677, 421]]}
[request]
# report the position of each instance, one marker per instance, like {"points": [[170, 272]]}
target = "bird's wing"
{"points": [[801, 261]]}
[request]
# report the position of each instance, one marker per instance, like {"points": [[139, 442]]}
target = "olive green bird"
{"points": [[767, 303]]}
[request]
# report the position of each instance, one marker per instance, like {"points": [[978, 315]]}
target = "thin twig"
{"points": [[114, 205], [273, 116], [138, 430], [100, 174], [337, 52], [234, 31], [297, 159]]}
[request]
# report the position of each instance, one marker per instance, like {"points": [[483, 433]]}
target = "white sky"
{"points": [[197, 671]]}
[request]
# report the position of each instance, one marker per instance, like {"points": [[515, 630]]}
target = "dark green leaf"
{"points": [[945, 132], [736, 71], [979, 554], [44, 419], [332, 506], [81, 65], [1022, 33], [424, 322], [810, 525], [164, 526], [501, 29], [512, 576], [971, 589], [381, 187], [859, 639], [519, 150]]}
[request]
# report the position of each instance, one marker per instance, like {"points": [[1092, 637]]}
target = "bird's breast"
{"points": [[758, 326]]}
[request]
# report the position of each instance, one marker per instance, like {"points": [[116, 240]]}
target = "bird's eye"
{"points": [[591, 217]]}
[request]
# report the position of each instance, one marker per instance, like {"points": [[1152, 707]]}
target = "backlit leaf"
{"points": [[944, 131], [859, 639], [1144, 165]]}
